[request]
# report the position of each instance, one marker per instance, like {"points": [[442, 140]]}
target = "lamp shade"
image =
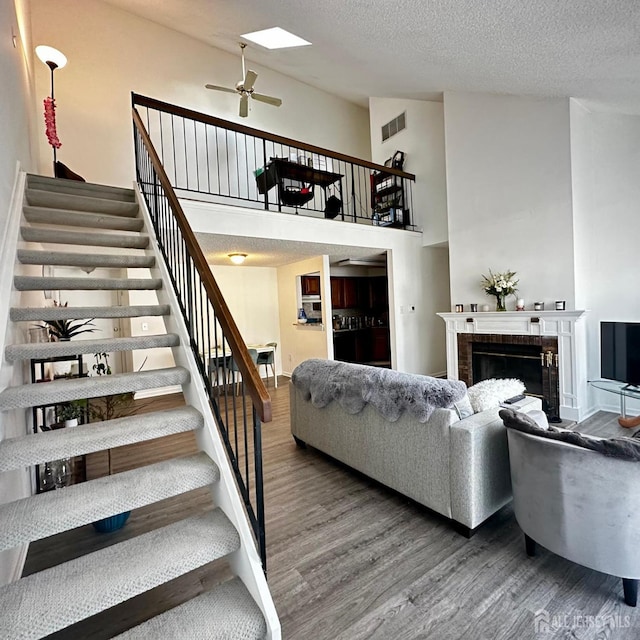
{"points": [[49, 56]]}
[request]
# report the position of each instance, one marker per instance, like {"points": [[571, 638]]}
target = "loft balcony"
{"points": [[215, 160]]}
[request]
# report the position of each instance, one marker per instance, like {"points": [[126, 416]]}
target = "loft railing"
{"points": [[221, 161], [239, 399]]}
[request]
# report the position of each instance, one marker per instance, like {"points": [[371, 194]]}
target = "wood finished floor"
{"points": [[349, 559]]}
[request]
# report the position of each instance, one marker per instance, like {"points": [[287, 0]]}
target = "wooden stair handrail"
{"points": [[250, 376], [167, 107]]}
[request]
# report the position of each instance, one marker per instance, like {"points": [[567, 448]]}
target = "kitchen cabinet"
{"points": [[378, 293], [380, 348], [352, 293], [310, 285]]}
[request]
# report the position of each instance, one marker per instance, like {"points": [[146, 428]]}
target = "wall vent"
{"points": [[397, 124]]}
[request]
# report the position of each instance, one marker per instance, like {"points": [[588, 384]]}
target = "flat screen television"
{"points": [[620, 351]]}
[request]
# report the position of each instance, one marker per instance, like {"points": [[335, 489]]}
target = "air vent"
{"points": [[397, 124]]}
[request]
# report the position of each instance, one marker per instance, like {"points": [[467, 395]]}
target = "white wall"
{"points": [[112, 53], [252, 296], [509, 195], [301, 342], [605, 150], [16, 102], [16, 118], [423, 143]]}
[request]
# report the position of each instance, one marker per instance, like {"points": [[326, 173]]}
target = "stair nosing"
{"points": [[64, 313], [70, 258], [41, 447], [38, 283], [35, 394], [33, 350], [125, 570], [52, 512], [78, 218], [86, 203], [86, 239]]}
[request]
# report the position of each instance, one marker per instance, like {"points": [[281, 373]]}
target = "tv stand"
{"points": [[624, 391]]}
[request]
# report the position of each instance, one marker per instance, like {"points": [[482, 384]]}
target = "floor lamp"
{"points": [[54, 59]]}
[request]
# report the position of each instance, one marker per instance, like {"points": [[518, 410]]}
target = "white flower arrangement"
{"points": [[500, 284]]}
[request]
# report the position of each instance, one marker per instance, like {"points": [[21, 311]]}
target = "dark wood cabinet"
{"points": [[337, 293], [378, 293], [350, 286], [310, 285], [380, 348]]}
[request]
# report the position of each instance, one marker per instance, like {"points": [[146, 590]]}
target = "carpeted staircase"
{"points": [[108, 230]]}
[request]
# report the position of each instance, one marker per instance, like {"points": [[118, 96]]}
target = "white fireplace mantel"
{"points": [[567, 326]]}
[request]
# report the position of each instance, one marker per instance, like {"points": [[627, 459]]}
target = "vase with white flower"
{"points": [[500, 285]]}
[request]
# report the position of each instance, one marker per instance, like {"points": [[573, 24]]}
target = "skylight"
{"points": [[275, 38]]}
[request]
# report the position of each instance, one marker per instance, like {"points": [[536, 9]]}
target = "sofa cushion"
{"points": [[390, 392], [622, 448], [490, 393]]}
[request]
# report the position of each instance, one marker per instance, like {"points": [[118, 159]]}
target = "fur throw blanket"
{"points": [[390, 392]]}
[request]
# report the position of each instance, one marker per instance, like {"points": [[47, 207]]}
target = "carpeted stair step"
{"points": [[39, 283], [43, 215], [19, 314], [14, 352], [32, 395], [37, 448], [54, 200], [93, 260], [75, 187], [45, 602], [46, 514], [227, 611], [84, 238]]}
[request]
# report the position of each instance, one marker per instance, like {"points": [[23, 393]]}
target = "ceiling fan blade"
{"points": [[275, 102], [249, 80], [244, 105], [215, 87]]}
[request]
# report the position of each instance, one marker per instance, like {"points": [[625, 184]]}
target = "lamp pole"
{"points": [[54, 59]]}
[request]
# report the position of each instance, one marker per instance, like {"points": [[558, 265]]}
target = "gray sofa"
{"points": [[458, 468]]}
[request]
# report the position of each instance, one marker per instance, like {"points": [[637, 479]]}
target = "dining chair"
{"points": [[268, 359], [253, 354]]}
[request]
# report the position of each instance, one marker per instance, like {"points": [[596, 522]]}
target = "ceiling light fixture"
{"points": [[237, 258], [275, 38]]}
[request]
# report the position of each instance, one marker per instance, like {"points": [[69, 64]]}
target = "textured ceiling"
{"points": [[265, 252], [586, 49]]}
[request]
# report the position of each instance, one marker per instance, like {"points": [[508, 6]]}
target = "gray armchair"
{"points": [[576, 501]]}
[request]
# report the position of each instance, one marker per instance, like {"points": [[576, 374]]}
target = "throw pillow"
{"points": [[622, 448], [490, 393], [463, 407]]}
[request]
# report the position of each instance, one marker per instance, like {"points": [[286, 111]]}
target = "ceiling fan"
{"points": [[245, 89]]}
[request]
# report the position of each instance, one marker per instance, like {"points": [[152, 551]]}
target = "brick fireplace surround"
{"points": [[546, 328]]}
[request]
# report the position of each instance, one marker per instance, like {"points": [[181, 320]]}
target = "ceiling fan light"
{"points": [[237, 258], [275, 38]]}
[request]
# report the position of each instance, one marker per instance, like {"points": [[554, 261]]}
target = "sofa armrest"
{"points": [[479, 464]]}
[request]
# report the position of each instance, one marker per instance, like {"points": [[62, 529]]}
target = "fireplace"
{"points": [[557, 337], [532, 359]]}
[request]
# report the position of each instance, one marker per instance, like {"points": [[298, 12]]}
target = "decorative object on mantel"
{"points": [[519, 304], [474, 307], [538, 306], [560, 305], [459, 308], [500, 285], [485, 308]]}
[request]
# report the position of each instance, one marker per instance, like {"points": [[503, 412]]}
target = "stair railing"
{"points": [[220, 351]]}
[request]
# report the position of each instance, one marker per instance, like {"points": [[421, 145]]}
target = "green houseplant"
{"points": [[64, 330]]}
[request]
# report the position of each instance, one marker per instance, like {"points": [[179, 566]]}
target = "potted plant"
{"points": [[64, 330], [71, 412]]}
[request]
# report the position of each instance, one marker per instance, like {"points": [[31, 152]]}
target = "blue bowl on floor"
{"points": [[112, 523]]}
